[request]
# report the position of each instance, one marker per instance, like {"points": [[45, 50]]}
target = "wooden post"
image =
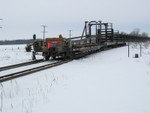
{"points": [[128, 50], [140, 50], [1, 102]]}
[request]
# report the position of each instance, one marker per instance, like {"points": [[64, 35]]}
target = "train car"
{"points": [[95, 36], [53, 47]]}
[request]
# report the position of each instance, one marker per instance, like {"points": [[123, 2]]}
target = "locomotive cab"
{"points": [[53, 47], [58, 47]]}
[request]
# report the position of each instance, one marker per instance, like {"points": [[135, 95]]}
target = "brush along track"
{"points": [[20, 64], [29, 71]]}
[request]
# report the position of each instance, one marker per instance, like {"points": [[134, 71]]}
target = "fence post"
{"points": [[1, 102], [140, 50], [128, 50]]}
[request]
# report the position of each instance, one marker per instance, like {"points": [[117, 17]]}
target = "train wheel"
{"points": [[71, 55], [46, 56], [64, 57], [54, 57]]}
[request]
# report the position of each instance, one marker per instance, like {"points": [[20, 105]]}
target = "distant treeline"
{"points": [[11, 42]]}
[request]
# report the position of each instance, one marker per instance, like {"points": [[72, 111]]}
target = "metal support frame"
{"points": [[104, 32], [96, 29]]}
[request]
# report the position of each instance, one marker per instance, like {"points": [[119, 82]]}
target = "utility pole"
{"points": [[70, 33], [140, 49], [128, 50], [1, 19], [44, 26]]}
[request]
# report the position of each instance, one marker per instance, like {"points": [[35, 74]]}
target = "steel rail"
{"points": [[29, 71], [20, 64]]}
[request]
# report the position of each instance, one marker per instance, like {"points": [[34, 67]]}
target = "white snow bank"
{"points": [[13, 54]]}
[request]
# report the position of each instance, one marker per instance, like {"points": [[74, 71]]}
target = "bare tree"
{"points": [[124, 33], [144, 34], [136, 32]]}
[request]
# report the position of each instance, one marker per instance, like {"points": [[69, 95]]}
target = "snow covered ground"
{"points": [[105, 82], [12, 54]]}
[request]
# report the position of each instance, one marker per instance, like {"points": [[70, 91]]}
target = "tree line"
{"points": [[9, 42], [136, 32]]}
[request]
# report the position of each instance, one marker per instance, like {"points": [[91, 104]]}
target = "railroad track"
{"points": [[20, 64], [29, 71], [36, 69]]}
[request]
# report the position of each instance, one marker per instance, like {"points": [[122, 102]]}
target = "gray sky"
{"points": [[23, 18]]}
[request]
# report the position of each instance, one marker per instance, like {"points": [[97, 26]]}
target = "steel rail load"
{"points": [[96, 36]]}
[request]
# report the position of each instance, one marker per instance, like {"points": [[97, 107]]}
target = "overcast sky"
{"points": [[23, 18]]}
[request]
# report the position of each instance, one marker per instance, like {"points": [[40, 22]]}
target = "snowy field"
{"points": [[105, 82]]}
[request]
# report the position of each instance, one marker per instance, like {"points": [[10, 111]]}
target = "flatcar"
{"points": [[95, 36]]}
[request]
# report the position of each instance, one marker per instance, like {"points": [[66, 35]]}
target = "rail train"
{"points": [[96, 36]]}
